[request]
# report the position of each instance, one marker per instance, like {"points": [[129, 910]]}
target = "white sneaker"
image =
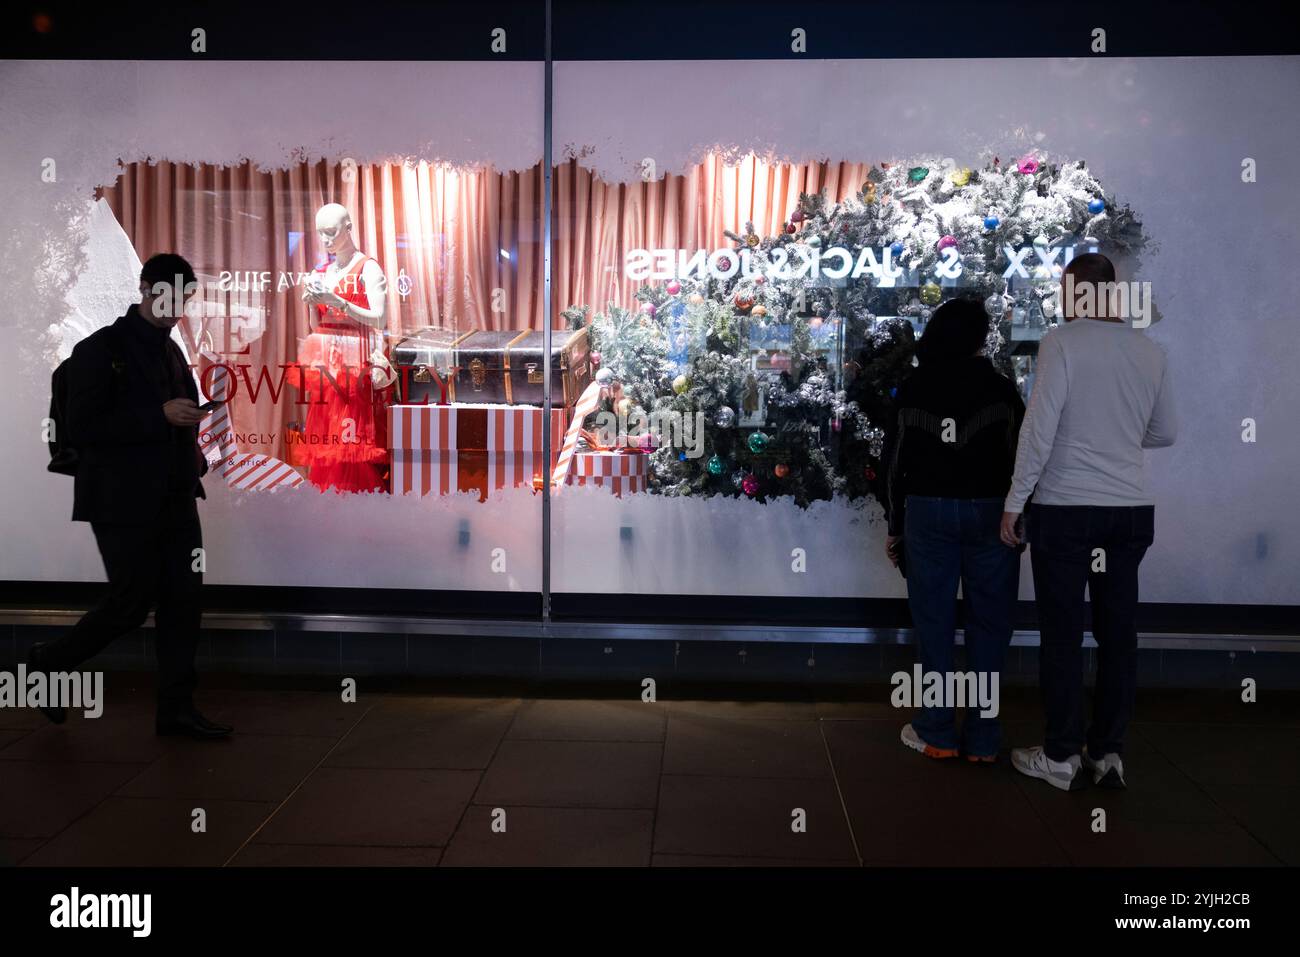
{"points": [[1035, 763], [914, 741], [1107, 771]]}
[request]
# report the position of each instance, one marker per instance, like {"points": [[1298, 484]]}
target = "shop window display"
{"points": [[765, 368], [757, 263], [355, 273], [731, 308], [340, 357]]}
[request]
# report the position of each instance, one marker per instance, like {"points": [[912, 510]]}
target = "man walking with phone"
{"points": [[131, 415], [1101, 395]]}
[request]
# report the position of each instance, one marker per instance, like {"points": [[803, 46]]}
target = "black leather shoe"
{"points": [[192, 725], [36, 662]]}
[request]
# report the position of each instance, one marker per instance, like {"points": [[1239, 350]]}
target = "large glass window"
{"points": [[755, 309], [740, 267], [359, 269]]}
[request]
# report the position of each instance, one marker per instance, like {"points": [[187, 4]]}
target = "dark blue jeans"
{"points": [[1063, 546], [951, 540]]}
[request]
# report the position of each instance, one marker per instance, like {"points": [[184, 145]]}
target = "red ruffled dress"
{"points": [[344, 441]]}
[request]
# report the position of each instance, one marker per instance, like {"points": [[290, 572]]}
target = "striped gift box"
{"points": [[617, 471], [427, 472], [438, 449], [491, 428]]}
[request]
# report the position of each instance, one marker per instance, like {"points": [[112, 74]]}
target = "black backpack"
{"points": [[63, 457]]}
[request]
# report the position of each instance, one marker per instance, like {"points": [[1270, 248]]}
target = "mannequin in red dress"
{"points": [[341, 365]]}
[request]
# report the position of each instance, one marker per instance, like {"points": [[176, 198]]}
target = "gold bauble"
{"points": [[758, 311], [961, 177], [931, 294]]}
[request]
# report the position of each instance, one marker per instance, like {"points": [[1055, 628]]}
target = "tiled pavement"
{"points": [[421, 779]]}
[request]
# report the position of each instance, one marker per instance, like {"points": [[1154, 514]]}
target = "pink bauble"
{"points": [[749, 484], [1028, 165], [674, 288], [648, 308], [595, 358], [796, 216], [759, 280], [946, 241]]}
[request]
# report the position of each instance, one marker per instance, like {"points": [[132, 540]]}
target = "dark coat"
{"points": [[115, 422], [973, 459]]}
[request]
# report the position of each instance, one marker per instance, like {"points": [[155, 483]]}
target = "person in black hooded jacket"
{"points": [[949, 459]]}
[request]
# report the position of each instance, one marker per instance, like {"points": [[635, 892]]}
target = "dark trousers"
{"points": [[148, 566], [951, 540], [1064, 541]]}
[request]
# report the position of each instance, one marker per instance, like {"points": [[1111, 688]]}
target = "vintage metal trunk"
{"points": [[507, 366], [571, 369], [426, 363], [482, 364]]}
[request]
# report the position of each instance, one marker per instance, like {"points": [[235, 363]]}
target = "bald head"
{"points": [[333, 226]]}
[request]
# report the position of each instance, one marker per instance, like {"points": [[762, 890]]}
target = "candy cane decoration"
{"points": [[587, 403], [215, 437], [243, 471]]}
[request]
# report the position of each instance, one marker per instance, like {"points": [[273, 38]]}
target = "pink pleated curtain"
{"points": [[464, 245], [597, 222]]}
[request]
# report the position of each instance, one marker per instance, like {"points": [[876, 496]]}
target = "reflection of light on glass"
{"points": [[504, 254]]}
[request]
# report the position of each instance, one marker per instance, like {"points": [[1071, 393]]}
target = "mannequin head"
{"points": [[334, 228]]}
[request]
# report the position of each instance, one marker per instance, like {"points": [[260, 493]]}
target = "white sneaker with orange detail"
{"points": [[914, 741]]}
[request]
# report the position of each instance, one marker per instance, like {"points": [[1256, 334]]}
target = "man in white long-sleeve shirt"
{"points": [[1101, 395]]}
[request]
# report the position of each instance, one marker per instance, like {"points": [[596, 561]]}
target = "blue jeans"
{"points": [[949, 540]]}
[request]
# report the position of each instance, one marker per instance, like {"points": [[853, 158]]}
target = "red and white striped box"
{"points": [[491, 428], [439, 449], [617, 471], [427, 472]]}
